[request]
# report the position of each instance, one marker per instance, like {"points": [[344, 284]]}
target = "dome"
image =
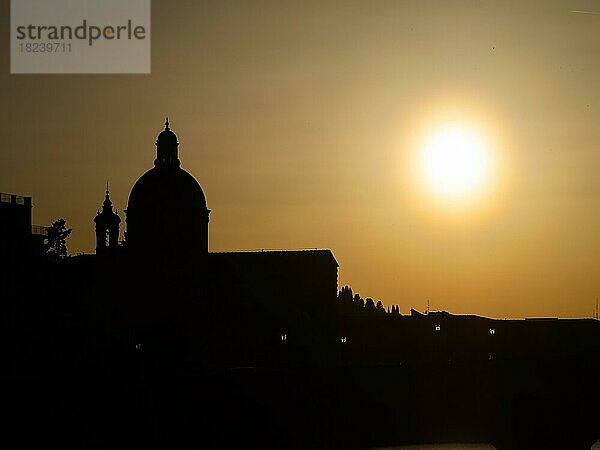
{"points": [[167, 188], [167, 207]]}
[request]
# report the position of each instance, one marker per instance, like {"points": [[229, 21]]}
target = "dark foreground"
{"points": [[532, 406], [78, 373]]}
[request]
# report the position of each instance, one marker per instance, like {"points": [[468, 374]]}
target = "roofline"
{"points": [[281, 251], [417, 314]]}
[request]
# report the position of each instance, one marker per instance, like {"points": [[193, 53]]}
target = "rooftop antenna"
{"points": [[427, 310], [596, 312]]}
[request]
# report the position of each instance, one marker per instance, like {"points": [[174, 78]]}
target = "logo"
{"points": [[80, 36]]}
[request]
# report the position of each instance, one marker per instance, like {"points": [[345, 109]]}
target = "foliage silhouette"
{"points": [[56, 245], [353, 304]]}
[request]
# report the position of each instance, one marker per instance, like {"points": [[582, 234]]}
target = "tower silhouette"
{"points": [[107, 226]]}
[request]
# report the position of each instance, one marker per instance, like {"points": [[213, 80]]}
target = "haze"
{"points": [[297, 118]]}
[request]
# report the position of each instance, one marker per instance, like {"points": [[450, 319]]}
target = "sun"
{"points": [[455, 163]]}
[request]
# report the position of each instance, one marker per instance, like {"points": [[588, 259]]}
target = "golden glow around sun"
{"points": [[455, 163]]}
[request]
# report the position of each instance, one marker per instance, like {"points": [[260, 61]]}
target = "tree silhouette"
{"points": [[370, 306], [56, 245], [359, 302]]}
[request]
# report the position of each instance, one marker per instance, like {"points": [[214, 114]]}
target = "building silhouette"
{"points": [[154, 341], [241, 302], [21, 243], [18, 237]]}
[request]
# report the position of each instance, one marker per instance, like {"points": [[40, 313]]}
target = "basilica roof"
{"points": [[166, 186]]}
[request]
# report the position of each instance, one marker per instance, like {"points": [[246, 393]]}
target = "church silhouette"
{"points": [[245, 301]]}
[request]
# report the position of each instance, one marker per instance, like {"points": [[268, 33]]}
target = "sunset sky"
{"points": [[302, 122]]}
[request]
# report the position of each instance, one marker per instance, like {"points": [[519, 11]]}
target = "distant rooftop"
{"points": [[447, 315], [314, 252], [274, 250], [14, 199]]}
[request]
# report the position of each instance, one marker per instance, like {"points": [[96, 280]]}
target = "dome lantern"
{"points": [[166, 148]]}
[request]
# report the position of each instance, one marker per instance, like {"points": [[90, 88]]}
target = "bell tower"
{"points": [[107, 226]]}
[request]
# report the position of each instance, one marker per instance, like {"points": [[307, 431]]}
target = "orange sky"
{"points": [[297, 118]]}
